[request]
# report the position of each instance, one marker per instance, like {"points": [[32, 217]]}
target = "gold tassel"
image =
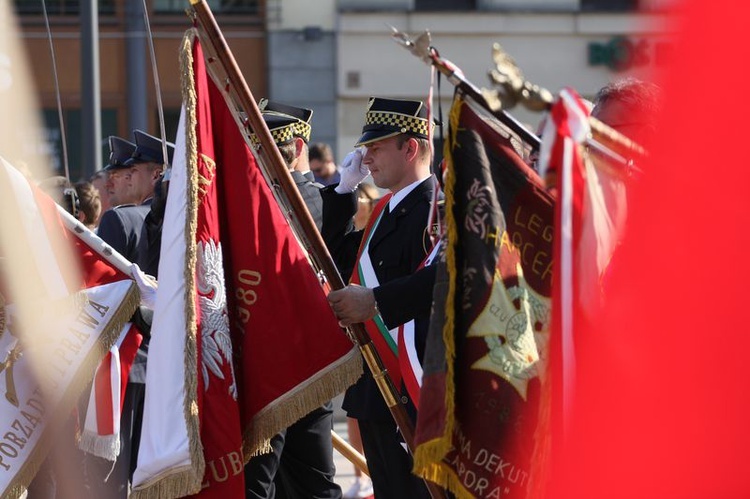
{"points": [[285, 411]]}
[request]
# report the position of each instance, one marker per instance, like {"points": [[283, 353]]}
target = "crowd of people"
{"points": [[382, 242]]}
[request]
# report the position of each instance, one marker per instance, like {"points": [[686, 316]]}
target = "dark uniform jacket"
{"points": [[149, 244], [121, 227], [397, 248], [310, 191]]}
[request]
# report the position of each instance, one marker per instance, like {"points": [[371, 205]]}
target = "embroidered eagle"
{"points": [[212, 298]]}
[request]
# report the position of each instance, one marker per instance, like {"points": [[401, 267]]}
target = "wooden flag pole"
{"points": [[350, 453], [220, 58]]}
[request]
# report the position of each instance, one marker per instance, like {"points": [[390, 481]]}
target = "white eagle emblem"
{"points": [[212, 298]]}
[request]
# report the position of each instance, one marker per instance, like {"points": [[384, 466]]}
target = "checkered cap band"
{"points": [[398, 121], [286, 133]]}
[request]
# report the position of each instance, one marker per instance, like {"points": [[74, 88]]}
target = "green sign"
{"points": [[622, 53]]}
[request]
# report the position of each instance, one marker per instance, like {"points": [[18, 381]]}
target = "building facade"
{"points": [[128, 96], [332, 55], [557, 43]]}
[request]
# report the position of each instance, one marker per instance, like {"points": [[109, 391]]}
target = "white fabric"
{"points": [[164, 438], [602, 227]]}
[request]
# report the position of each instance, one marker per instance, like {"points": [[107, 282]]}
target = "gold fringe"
{"points": [[186, 480], [103, 446], [80, 382], [189, 97], [443, 475], [174, 482], [428, 456], [286, 410]]}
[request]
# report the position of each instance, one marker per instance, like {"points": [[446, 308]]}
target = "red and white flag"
{"points": [[61, 309], [589, 223], [244, 342], [101, 431]]}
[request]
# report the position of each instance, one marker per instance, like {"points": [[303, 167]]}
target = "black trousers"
{"points": [[389, 463], [300, 465]]}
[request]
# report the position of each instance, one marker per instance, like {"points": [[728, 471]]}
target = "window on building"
{"points": [[171, 120], [444, 5], [60, 7], [609, 5], [248, 7], [72, 120]]}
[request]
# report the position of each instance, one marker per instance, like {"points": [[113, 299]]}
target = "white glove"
{"points": [[352, 172], [147, 286]]}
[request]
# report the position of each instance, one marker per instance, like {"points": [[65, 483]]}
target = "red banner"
{"points": [[480, 396], [294, 354]]}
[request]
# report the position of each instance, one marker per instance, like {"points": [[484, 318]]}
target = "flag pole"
{"points": [[95, 242], [534, 97], [278, 176], [349, 452]]}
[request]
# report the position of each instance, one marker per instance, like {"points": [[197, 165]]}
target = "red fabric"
{"points": [[128, 351], [103, 387], [662, 385], [219, 411], [278, 311], [499, 225], [103, 380]]}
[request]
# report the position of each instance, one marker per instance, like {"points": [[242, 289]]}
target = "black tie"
{"points": [[387, 210]]}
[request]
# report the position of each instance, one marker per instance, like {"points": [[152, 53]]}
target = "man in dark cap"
{"points": [[146, 165], [146, 168], [301, 462], [124, 228], [120, 226], [393, 287], [290, 129], [117, 184]]}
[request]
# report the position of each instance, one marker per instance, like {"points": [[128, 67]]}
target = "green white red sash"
{"points": [[397, 346]]}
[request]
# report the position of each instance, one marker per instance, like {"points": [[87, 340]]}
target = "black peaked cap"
{"points": [[148, 149], [120, 151], [285, 122], [389, 117]]}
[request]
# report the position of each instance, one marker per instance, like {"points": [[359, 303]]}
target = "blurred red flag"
{"points": [[661, 393]]}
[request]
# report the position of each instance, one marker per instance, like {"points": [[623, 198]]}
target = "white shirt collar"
{"points": [[400, 195]]}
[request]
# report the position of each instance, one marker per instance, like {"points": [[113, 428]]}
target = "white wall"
{"points": [[550, 48], [297, 14]]}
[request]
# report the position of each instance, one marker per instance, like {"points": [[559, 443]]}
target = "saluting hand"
{"points": [[352, 171], [353, 304]]}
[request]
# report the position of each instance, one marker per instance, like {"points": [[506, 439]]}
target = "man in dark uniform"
{"points": [[123, 228], [146, 168], [120, 227], [395, 287], [300, 465]]}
